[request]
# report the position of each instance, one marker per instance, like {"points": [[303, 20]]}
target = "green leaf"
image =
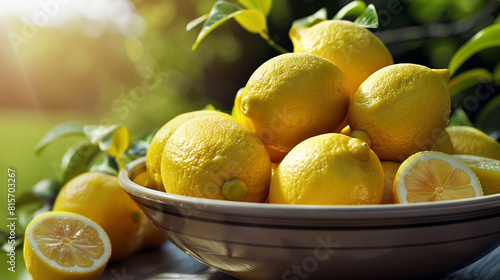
{"points": [[61, 130], [253, 21], [355, 9], [459, 117], [486, 38], [311, 20], [112, 139], [261, 5], [468, 79], [487, 119], [77, 158], [221, 11], [369, 18], [195, 22], [496, 73], [46, 189], [141, 144], [105, 164]]}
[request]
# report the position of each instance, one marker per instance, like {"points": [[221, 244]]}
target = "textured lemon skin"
{"points": [[472, 141], [403, 108], [42, 270], [99, 197], [155, 150], [292, 97], [328, 169], [205, 152], [354, 49]]}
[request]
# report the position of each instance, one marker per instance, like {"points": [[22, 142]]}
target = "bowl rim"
{"points": [[390, 214]]}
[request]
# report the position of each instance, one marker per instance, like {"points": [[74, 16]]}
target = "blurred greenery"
{"points": [[143, 76]]}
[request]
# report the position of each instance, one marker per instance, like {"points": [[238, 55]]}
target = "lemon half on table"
{"points": [[64, 245]]}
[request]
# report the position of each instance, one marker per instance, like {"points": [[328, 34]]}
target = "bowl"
{"points": [[267, 241]]}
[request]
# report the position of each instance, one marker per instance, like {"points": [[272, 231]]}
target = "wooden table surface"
{"points": [[169, 262]]}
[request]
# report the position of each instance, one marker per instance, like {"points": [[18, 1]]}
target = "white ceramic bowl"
{"points": [[265, 241]]}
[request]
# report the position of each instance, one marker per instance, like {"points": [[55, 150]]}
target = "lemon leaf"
{"points": [[487, 118], [311, 20], [59, 131], [221, 12], [369, 18], [486, 38], [355, 8], [195, 22], [77, 158], [261, 5], [112, 139], [468, 79], [105, 164], [253, 21], [141, 144], [459, 117], [496, 73]]}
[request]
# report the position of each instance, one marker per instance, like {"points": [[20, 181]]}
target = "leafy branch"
{"points": [[252, 16]]}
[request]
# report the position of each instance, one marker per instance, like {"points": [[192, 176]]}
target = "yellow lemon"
{"points": [[390, 169], [152, 237], [216, 157], [62, 245], [443, 144], [354, 49], [99, 197], [402, 108], [328, 169], [236, 111], [472, 141], [434, 176], [292, 97], [486, 169], [155, 150]]}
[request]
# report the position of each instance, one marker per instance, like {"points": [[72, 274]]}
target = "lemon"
{"points": [[354, 49], [216, 157], [328, 169], [390, 169], [434, 176], [64, 245], [292, 97], [155, 150], [403, 109], [236, 111], [486, 169], [472, 141], [99, 197], [152, 236], [443, 144]]}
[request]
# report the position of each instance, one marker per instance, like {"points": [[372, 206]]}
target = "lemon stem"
{"points": [[234, 189], [272, 43]]}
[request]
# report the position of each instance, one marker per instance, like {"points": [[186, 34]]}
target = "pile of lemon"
{"points": [[335, 122]]}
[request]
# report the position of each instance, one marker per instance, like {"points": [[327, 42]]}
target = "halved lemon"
{"points": [[64, 245], [434, 176], [486, 169]]}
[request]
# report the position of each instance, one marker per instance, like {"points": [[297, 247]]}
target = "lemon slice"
{"points": [[434, 176], [64, 245], [486, 169]]}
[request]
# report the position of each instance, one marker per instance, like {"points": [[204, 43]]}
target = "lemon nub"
{"points": [[234, 189], [437, 180], [68, 242]]}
